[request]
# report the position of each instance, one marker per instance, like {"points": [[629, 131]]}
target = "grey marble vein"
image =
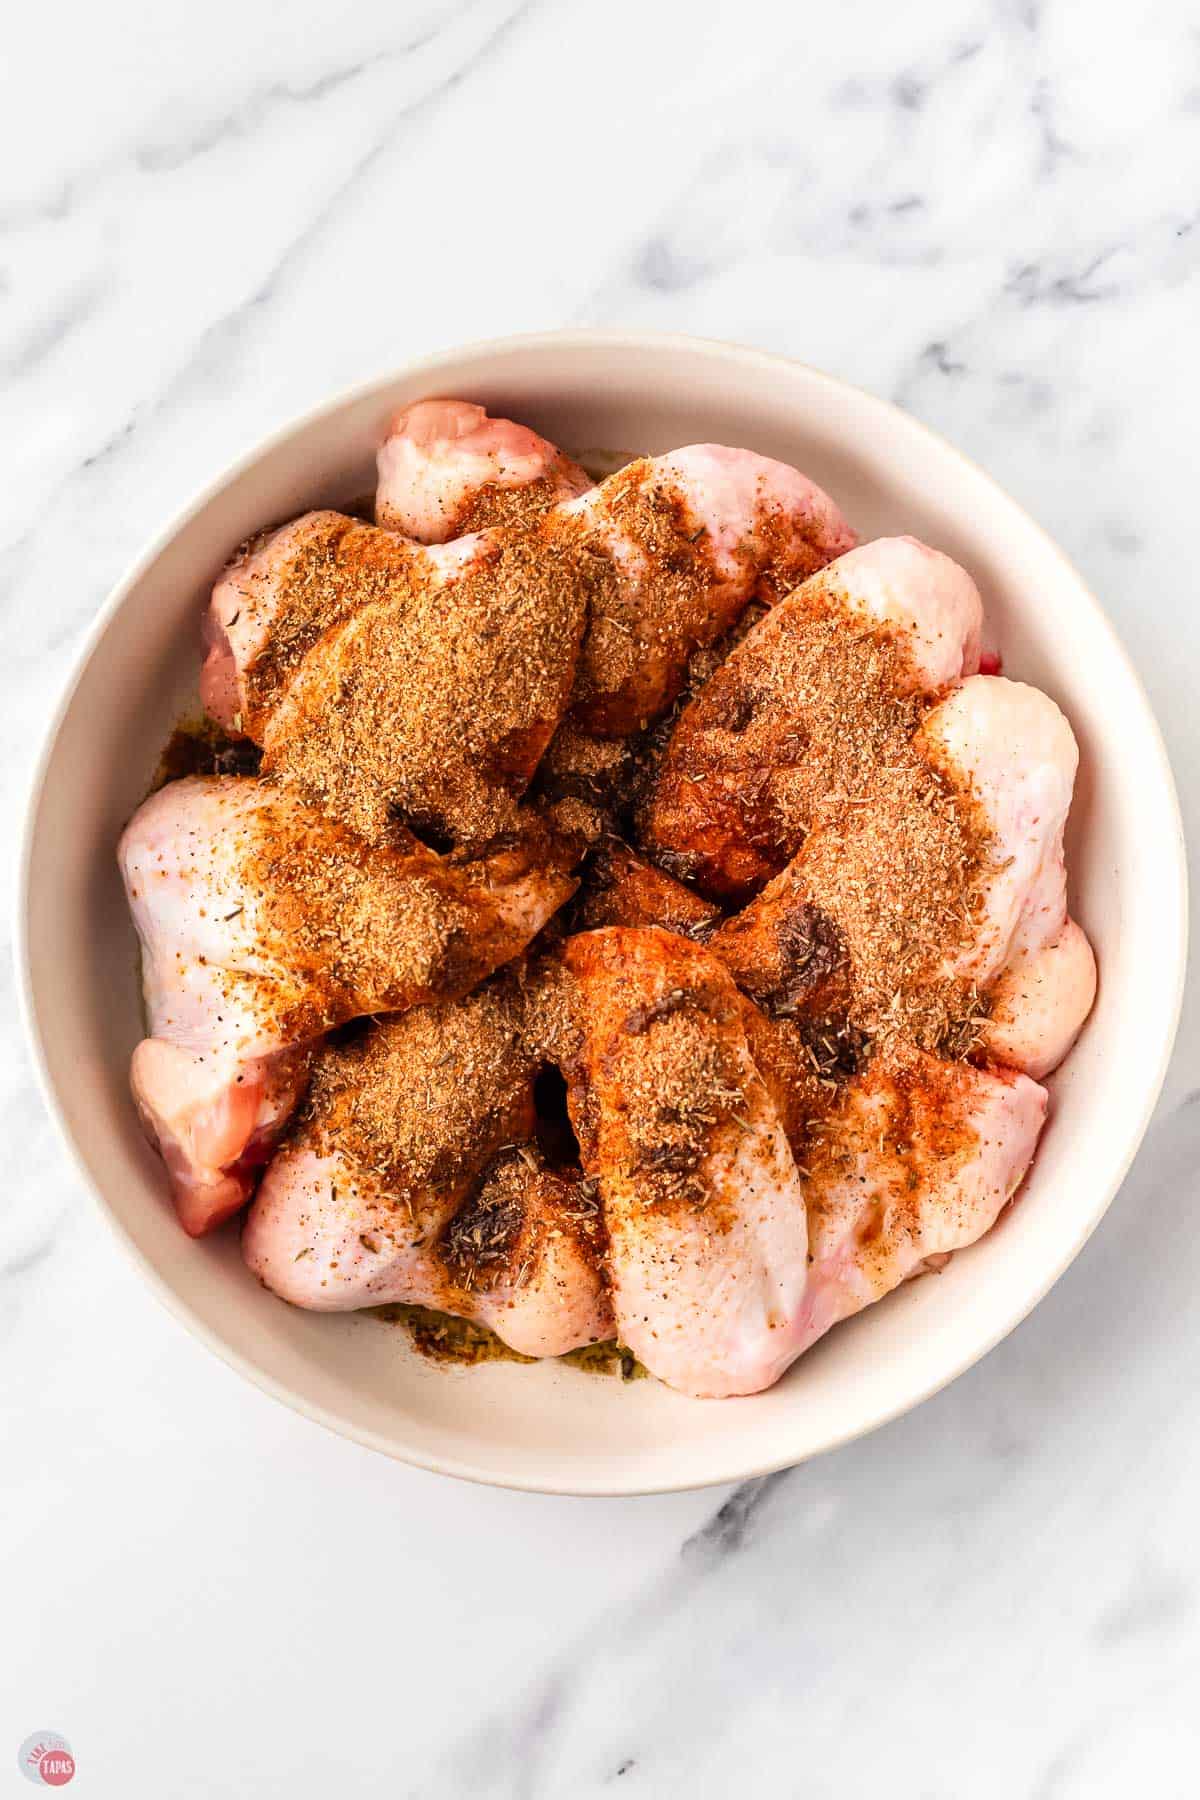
{"points": [[22, 358], [252, 113]]}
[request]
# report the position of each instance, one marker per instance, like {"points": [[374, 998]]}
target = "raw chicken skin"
{"points": [[392, 681], [263, 924], [1008, 751], [724, 526], [719, 525], [1039, 1001], [900, 1166], [619, 888], [446, 468], [878, 1213], [247, 602], [752, 756], [327, 1237], [1011, 747], [283, 590], [702, 1200], [785, 950], [412, 1179]]}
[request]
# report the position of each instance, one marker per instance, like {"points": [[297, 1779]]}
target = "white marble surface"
{"points": [[211, 217]]}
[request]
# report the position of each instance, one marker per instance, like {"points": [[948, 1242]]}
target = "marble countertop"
{"points": [[211, 218]]}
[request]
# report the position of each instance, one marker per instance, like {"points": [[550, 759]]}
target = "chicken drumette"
{"points": [[730, 1249], [942, 893], [805, 708], [704, 1207], [264, 923], [446, 468], [413, 1177], [394, 680], [915, 1158]]}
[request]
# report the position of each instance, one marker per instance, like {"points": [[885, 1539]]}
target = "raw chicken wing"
{"points": [[678, 545], [1012, 749], [445, 468], [1002, 761], [396, 682], [702, 1200], [915, 1159], [412, 1179], [263, 924], [805, 707]]}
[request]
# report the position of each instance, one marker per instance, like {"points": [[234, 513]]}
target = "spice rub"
{"points": [[860, 931], [682, 543], [831, 684], [412, 1176], [432, 708], [701, 1195]]}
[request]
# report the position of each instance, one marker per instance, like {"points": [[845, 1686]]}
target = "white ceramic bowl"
{"points": [[550, 1427]]}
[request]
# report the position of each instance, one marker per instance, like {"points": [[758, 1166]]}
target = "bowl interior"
{"points": [[549, 1426]]}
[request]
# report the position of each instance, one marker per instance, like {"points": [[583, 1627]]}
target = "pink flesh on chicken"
{"points": [[263, 924], [702, 1200], [916, 1159], [328, 1237], [445, 468], [410, 1180], [244, 607], [215, 1122], [1011, 747]]}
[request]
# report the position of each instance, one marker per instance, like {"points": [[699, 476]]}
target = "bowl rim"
{"points": [[584, 339]]}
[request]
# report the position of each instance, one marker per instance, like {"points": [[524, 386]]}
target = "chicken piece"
{"points": [[785, 952], [1038, 1003], [916, 1159], [445, 468], [391, 681], [588, 788], [1010, 747], [215, 1121], [802, 1035], [436, 711], [581, 785], [263, 924], [679, 544], [943, 887], [411, 1179], [619, 888], [283, 590], [515, 1257], [702, 1200], [815, 696]]}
